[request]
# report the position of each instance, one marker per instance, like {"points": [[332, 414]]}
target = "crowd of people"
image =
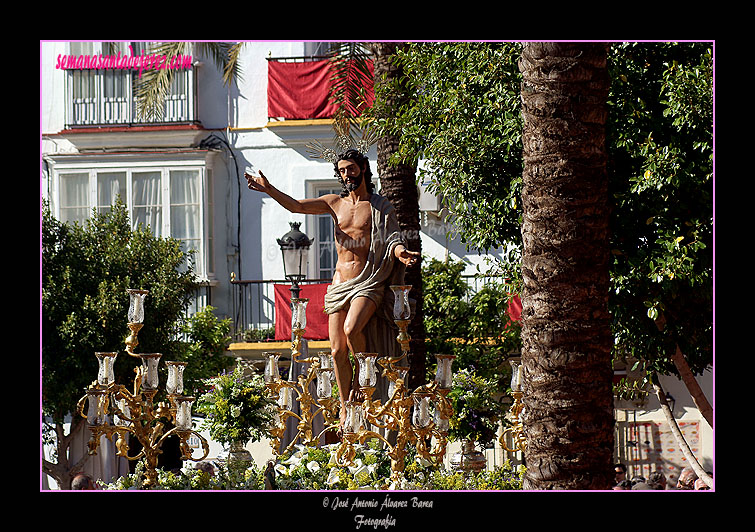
{"points": [[687, 480]]}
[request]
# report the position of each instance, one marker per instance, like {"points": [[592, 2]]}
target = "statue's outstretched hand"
{"points": [[259, 183], [410, 258]]}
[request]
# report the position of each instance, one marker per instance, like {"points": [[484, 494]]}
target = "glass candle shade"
{"points": [[298, 313], [150, 379], [402, 373], [183, 412], [105, 374], [285, 399], [367, 369], [401, 308], [516, 374], [324, 383], [326, 359], [443, 375], [441, 423], [354, 417], [175, 383], [96, 407], [421, 414], [136, 305], [122, 418], [272, 373]]}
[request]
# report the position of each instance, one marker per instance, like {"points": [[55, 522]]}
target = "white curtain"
{"points": [[185, 223], [147, 201], [74, 197], [184, 201], [109, 187]]}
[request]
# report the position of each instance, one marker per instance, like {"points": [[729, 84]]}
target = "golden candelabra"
{"points": [[136, 412], [320, 368], [408, 417], [514, 415]]}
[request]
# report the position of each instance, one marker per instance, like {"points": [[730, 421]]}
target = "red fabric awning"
{"points": [[317, 320], [301, 90]]}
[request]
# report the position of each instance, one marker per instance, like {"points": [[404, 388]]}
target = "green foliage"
{"points": [[86, 270], [259, 335], [445, 293], [476, 409], [661, 143], [501, 478], [312, 468], [207, 340], [477, 330], [189, 478], [464, 121], [237, 409]]}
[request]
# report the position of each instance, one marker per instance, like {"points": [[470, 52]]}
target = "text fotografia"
{"points": [[124, 61], [357, 505]]}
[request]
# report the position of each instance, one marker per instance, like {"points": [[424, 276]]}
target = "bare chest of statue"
{"points": [[353, 224]]}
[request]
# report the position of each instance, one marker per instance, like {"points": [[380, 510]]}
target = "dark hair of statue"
{"points": [[363, 162]]}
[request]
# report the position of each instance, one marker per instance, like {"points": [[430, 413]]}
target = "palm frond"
{"points": [[153, 86], [232, 71], [225, 56], [349, 74]]}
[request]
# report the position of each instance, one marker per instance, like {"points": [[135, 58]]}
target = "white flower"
{"points": [[281, 469], [313, 466], [294, 459], [332, 477], [235, 410], [356, 466], [424, 462]]}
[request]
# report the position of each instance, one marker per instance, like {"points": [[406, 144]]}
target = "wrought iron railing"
{"points": [[107, 97], [254, 308], [254, 304]]}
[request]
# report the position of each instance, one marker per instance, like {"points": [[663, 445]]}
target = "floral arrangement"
{"points": [[476, 411], [307, 468], [311, 468], [237, 409]]}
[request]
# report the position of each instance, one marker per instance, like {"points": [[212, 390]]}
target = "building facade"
{"points": [[183, 175]]}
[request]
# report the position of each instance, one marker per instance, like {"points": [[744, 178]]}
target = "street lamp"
{"points": [[295, 249]]}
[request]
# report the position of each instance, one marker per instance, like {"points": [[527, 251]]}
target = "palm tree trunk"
{"points": [[566, 336], [398, 183]]}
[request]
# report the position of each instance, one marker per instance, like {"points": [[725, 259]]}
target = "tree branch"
{"points": [[678, 436], [698, 396]]}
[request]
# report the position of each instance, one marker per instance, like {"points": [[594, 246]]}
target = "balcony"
{"points": [[106, 98], [254, 312], [254, 308]]}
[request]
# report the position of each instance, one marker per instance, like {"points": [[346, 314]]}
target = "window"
{"points": [[168, 201], [106, 96], [325, 246], [74, 197], [146, 193], [110, 187], [185, 209]]}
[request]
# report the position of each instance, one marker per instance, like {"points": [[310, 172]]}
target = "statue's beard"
{"points": [[351, 186]]}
